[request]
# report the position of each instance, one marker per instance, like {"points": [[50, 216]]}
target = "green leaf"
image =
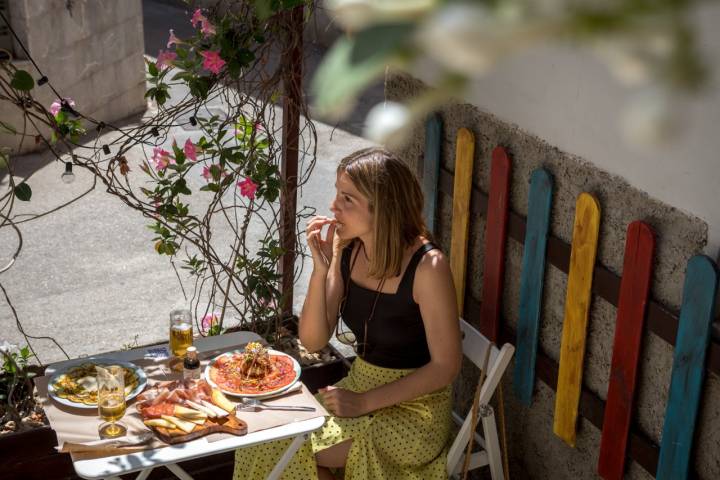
{"points": [[346, 70], [215, 171], [186, 76], [22, 81], [152, 68], [179, 154], [181, 187], [23, 192], [199, 87]]}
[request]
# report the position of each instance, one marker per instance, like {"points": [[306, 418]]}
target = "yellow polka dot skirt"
{"points": [[405, 441]]}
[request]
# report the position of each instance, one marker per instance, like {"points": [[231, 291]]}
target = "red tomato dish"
{"points": [[253, 372]]}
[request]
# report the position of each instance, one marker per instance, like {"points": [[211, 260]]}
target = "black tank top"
{"points": [[396, 333]]}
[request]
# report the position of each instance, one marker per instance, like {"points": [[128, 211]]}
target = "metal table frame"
{"points": [[146, 461]]}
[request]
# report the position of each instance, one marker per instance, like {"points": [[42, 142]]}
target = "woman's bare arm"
{"points": [[319, 312]]}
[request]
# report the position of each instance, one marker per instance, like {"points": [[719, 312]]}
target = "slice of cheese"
{"points": [[222, 401], [196, 421], [219, 412], [207, 411], [183, 425], [189, 413], [159, 422]]}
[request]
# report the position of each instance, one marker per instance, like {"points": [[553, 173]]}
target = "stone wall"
{"points": [[534, 451], [91, 51]]}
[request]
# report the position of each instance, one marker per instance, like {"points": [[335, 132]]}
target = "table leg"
{"points": [[145, 473], [178, 471], [285, 459]]}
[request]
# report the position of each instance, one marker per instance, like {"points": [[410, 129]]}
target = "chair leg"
{"points": [[492, 444]]}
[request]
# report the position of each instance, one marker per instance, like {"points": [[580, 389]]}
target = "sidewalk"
{"points": [[88, 274]]}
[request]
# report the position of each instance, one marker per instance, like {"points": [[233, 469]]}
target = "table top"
{"points": [[121, 464]]}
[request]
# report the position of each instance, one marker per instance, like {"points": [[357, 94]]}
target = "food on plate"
{"points": [[79, 383], [256, 361], [254, 371]]}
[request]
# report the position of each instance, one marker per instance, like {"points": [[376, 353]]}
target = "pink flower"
{"points": [[247, 188], [207, 28], [197, 17], [173, 39], [164, 58], [190, 151], [212, 61], [210, 320], [161, 158], [57, 105]]}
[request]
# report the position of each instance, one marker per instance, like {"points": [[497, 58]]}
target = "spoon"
{"points": [[248, 404]]}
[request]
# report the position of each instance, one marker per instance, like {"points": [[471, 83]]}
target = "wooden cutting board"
{"points": [[230, 424]]}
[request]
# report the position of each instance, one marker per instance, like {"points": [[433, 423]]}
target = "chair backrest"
{"points": [[474, 345]]}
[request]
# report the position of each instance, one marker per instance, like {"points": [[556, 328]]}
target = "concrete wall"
{"points": [[91, 50], [535, 452]]}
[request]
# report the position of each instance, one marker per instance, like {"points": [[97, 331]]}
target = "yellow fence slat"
{"points": [[577, 307], [464, 152]]}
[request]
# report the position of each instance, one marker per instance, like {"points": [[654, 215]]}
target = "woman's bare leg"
{"points": [[325, 474], [335, 456]]}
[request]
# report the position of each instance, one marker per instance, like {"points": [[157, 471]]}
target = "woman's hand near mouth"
{"points": [[322, 248]]}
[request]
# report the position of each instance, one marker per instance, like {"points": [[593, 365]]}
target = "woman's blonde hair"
{"points": [[396, 204]]}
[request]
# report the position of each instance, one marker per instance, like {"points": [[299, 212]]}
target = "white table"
{"points": [[145, 461]]}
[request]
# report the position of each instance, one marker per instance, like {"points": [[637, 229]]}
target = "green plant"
{"points": [[16, 388]]}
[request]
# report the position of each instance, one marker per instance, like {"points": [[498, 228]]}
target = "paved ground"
{"points": [[88, 275]]}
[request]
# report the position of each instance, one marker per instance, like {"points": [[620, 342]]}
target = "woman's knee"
{"points": [[335, 456]]}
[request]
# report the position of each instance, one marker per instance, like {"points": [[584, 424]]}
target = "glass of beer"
{"points": [[181, 332], [111, 400]]}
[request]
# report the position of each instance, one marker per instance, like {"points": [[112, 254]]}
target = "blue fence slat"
{"points": [[431, 168], [531, 283], [693, 337]]}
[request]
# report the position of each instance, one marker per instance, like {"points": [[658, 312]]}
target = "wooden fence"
{"points": [[688, 331]]}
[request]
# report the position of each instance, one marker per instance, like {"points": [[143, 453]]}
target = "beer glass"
{"points": [[181, 332], [111, 400]]}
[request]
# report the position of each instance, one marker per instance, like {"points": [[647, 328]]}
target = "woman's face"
{"points": [[351, 209]]}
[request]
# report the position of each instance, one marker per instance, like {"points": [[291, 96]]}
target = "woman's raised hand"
{"points": [[321, 248]]}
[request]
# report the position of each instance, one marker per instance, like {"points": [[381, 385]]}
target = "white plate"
{"points": [[296, 367], [142, 380]]}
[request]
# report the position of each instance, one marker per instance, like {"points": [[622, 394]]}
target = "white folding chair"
{"points": [[474, 346]]}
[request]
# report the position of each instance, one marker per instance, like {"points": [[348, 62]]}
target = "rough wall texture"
{"points": [[535, 452], [91, 50]]}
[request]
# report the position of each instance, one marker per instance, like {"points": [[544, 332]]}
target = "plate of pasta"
{"points": [[76, 385], [255, 371]]}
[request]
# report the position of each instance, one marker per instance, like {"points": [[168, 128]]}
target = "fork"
{"points": [[248, 404]]}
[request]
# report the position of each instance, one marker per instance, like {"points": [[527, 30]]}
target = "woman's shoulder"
{"points": [[433, 260], [433, 275]]}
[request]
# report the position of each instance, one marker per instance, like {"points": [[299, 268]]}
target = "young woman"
{"points": [[377, 270]]}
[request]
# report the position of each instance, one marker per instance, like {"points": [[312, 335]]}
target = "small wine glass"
{"points": [[111, 400]]}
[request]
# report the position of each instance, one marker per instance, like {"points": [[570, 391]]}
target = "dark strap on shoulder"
{"points": [[409, 275]]}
